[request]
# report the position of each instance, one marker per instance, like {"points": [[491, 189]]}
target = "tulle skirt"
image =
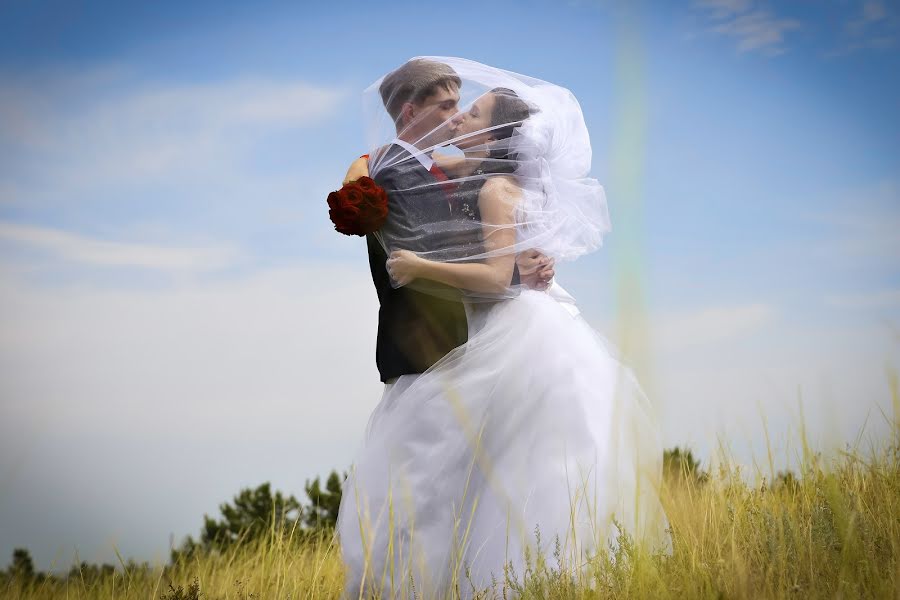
{"points": [[530, 438]]}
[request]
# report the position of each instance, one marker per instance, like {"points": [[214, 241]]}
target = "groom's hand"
{"points": [[359, 168], [535, 269]]}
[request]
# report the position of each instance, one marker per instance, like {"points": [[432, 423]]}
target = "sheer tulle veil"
{"points": [[535, 137]]}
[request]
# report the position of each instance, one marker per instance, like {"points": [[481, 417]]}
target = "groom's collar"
{"points": [[424, 158]]}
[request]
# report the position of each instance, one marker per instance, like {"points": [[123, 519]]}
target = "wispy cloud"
{"points": [[866, 300], [133, 133], [862, 231], [871, 26], [724, 8], [80, 249], [161, 162], [872, 11], [755, 29], [272, 374], [709, 325]]}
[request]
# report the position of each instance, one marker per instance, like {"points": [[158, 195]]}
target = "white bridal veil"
{"points": [[502, 171]]}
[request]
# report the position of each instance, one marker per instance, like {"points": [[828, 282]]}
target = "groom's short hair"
{"points": [[413, 82]]}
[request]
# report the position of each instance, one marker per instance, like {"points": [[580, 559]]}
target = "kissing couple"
{"points": [[507, 426]]}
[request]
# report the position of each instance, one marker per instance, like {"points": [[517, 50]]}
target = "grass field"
{"points": [[830, 531]]}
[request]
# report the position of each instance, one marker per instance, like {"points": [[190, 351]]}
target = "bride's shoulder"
{"points": [[498, 198], [499, 186]]}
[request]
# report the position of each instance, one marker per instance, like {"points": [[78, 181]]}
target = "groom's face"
{"points": [[430, 122]]}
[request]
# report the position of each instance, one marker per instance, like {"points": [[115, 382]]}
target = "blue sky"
{"points": [[177, 311]]}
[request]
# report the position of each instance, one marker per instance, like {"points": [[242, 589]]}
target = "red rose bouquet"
{"points": [[358, 208]]}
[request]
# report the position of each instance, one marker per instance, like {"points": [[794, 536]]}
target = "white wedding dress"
{"points": [[532, 424]]}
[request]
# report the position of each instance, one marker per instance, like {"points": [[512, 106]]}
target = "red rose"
{"points": [[358, 208], [368, 186]]}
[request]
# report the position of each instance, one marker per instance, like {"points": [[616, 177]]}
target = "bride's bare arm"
{"points": [[496, 202]]}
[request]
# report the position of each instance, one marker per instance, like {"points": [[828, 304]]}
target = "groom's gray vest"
{"points": [[415, 329]]}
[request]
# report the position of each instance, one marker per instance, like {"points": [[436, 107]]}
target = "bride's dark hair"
{"points": [[510, 111]]}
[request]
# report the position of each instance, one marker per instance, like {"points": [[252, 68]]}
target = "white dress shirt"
{"points": [[422, 157]]}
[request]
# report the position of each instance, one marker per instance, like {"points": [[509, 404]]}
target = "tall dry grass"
{"points": [[832, 530]]}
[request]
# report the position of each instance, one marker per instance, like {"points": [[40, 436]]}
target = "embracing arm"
{"points": [[359, 168], [496, 203]]}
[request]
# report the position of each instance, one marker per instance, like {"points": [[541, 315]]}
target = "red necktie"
{"points": [[448, 186], [442, 177]]}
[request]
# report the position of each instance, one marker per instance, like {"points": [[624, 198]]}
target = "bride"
{"points": [[531, 439]]}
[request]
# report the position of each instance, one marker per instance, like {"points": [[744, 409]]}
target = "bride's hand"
{"points": [[403, 266], [535, 269], [359, 168]]}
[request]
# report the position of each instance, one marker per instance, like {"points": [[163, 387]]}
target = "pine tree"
{"points": [[680, 465], [322, 512], [254, 513]]}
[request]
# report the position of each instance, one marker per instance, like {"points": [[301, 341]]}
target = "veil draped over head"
{"points": [[480, 165]]}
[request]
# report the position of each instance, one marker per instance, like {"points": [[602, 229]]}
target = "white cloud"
{"points": [[710, 325], [759, 30], [755, 29], [865, 301], [862, 228], [106, 152], [873, 25], [80, 136], [758, 377], [872, 12], [207, 386], [287, 338], [86, 250], [724, 8], [8, 192]]}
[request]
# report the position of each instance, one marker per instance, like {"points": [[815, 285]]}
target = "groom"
{"points": [[416, 329]]}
